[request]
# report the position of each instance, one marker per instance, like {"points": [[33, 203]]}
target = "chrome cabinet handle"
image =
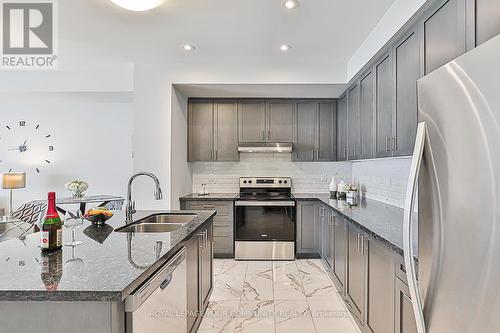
{"points": [[357, 235], [386, 144], [362, 245], [200, 236], [411, 274], [394, 143]]}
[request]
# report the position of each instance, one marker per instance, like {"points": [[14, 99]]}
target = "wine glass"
{"points": [[73, 221]]}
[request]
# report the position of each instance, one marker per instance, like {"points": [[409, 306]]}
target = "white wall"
{"points": [[91, 134], [397, 15]]}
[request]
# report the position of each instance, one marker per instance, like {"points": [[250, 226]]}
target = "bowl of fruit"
{"points": [[98, 215]]}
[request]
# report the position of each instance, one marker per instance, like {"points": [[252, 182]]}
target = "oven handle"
{"points": [[265, 203]]}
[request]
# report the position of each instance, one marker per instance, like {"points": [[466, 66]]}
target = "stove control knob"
{"points": [[244, 182], [249, 182], [281, 182], [286, 181]]}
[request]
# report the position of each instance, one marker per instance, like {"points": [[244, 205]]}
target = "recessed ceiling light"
{"points": [[285, 47], [138, 5], [188, 47], [290, 4]]}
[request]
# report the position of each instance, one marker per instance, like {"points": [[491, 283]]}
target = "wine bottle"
{"points": [[51, 228]]}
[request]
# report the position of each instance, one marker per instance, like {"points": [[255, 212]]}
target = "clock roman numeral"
{"points": [[48, 162], [47, 136]]}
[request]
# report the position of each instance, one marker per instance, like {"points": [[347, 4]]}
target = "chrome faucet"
{"points": [[130, 210]]}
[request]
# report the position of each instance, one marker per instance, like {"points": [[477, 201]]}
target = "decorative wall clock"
{"points": [[25, 145]]}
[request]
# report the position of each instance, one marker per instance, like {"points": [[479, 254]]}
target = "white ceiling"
{"points": [[327, 31]]}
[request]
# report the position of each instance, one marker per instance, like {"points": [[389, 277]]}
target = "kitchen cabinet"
{"points": [[212, 131], [316, 131], [223, 238], [444, 34], [342, 128], [404, 318], [193, 300], [252, 120], [366, 86], [408, 71], [353, 122], [205, 265], [380, 291], [340, 252], [327, 235], [280, 120], [200, 130], [356, 285], [307, 229], [487, 20], [384, 106]]}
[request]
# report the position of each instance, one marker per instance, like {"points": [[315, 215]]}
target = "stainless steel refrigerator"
{"points": [[456, 164]]}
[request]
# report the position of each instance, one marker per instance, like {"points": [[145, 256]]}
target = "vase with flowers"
{"points": [[77, 188]]}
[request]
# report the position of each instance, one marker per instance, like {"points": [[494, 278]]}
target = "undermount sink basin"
{"points": [[159, 223]]}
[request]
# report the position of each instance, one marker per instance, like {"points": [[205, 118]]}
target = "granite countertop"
{"points": [[380, 220], [211, 196], [110, 266]]}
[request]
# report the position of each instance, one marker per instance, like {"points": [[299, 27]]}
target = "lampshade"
{"points": [[13, 180]]}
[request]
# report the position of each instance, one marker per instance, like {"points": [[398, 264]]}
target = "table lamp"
{"points": [[12, 181]]}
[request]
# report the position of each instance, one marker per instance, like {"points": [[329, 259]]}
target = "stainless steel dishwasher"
{"points": [[160, 304]]}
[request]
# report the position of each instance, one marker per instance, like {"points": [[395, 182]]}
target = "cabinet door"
{"points": [[206, 272], [327, 131], [487, 20], [252, 120], [384, 106], [356, 274], [280, 121], [200, 130], [192, 252], [342, 128], [305, 137], [407, 64], [340, 252], [226, 131], [444, 34], [403, 310], [328, 238], [307, 227], [353, 122], [366, 87], [379, 314]]}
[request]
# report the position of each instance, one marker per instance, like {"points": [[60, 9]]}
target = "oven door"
{"points": [[265, 220]]}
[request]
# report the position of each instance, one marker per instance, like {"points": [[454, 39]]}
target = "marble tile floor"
{"points": [[275, 297]]}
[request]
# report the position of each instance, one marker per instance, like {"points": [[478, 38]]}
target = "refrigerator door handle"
{"points": [[407, 228]]}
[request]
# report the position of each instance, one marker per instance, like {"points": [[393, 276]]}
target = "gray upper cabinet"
{"points": [[252, 120], [366, 113], [305, 140], [327, 131], [408, 70], [353, 122], [384, 106], [225, 131], [200, 130], [342, 129], [308, 228], [280, 120], [487, 19], [380, 303], [444, 34]]}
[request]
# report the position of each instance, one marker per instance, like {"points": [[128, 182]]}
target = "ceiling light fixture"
{"points": [[290, 4], [285, 47], [138, 5], [188, 47]]}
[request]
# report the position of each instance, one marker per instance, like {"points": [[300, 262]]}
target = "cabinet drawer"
{"points": [[222, 208], [223, 244], [400, 268], [223, 231]]}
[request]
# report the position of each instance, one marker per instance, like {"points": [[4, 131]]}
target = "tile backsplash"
{"points": [[380, 179], [307, 177]]}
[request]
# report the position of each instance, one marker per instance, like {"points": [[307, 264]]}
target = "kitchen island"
{"points": [[86, 286]]}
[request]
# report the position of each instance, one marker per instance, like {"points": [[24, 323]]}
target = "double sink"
{"points": [[159, 223]]}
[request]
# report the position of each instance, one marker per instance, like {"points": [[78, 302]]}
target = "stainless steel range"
{"points": [[265, 214]]}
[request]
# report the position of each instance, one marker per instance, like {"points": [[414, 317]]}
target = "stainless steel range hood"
{"points": [[275, 147]]}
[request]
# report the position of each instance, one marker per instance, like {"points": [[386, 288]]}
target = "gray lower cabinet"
{"points": [[404, 318], [366, 112], [200, 130], [384, 106], [307, 237], [223, 238], [327, 237], [380, 283], [444, 34], [206, 264], [193, 299], [252, 120], [487, 20], [340, 252], [356, 283], [225, 131], [342, 150], [280, 120], [407, 72], [353, 122]]}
